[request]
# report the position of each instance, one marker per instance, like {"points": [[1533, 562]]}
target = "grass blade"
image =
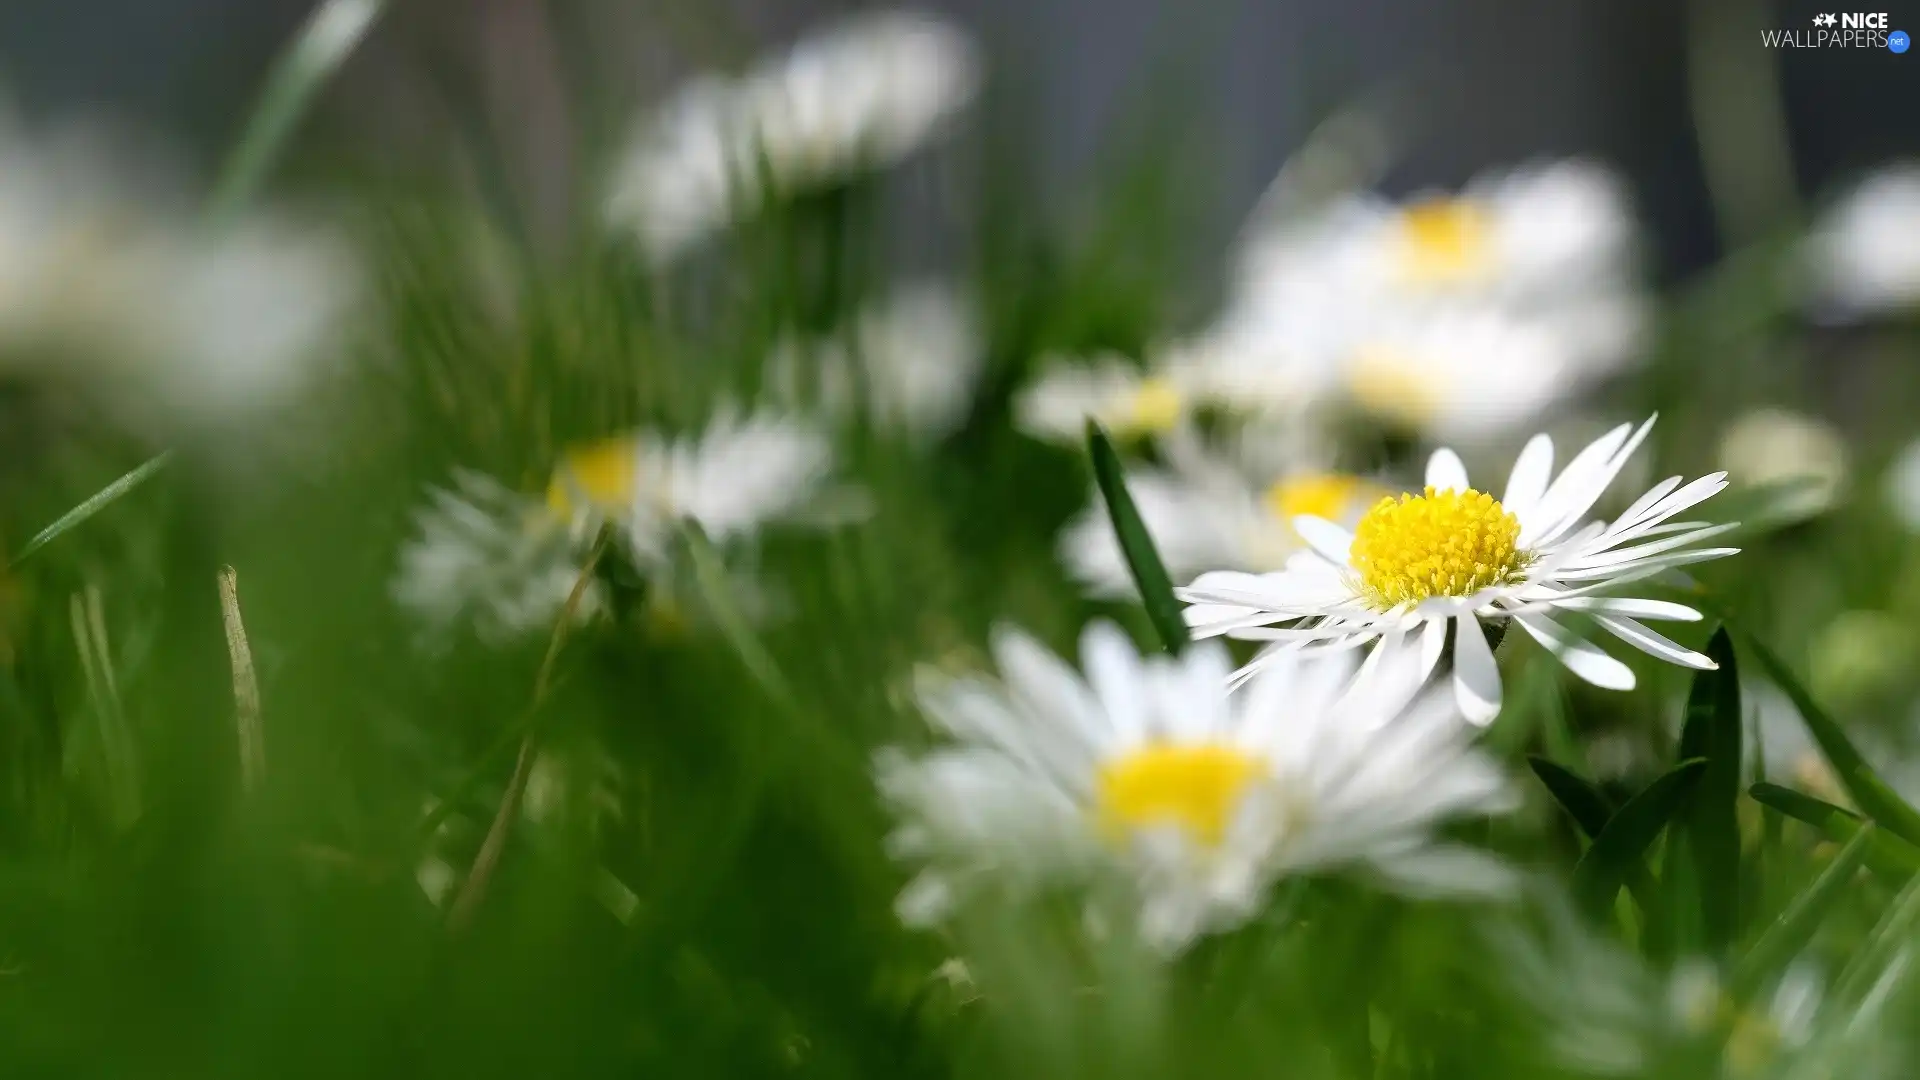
{"points": [[1589, 808], [1864, 786], [323, 43], [1803, 915], [1709, 829], [1143, 559], [1889, 857], [1617, 850], [100, 501]]}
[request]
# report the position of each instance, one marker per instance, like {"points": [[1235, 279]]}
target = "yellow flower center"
{"points": [[1444, 239], [1321, 495], [1391, 385], [598, 476], [1154, 407], [1442, 543], [1195, 786]]}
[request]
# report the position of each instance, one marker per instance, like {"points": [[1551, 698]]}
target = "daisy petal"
{"points": [[1615, 605], [1580, 657], [1332, 542], [1476, 678], [1528, 482], [1446, 472], [1655, 644]]}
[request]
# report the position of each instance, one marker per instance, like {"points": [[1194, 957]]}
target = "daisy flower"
{"points": [[1452, 556], [506, 561], [1131, 403], [1769, 447], [1209, 511], [1864, 255], [913, 360], [1146, 769], [858, 95]]}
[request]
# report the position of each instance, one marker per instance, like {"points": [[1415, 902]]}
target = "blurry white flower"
{"points": [[1147, 768], [1460, 315], [1864, 255], [1129, 402], [914, 359], [1902, 486], [860, 94], [739, 474], [1455, 555], [1776, 446], [171, 323], [506, 563], [1206, 512], [492, 559]]}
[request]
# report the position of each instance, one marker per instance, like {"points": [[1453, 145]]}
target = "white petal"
{"points": [[1531, 471], [1583, 498], [1445, 471], [1433, 641], [1634, 608], [1572, 484], [1476, 677], [1644, 568], [1655, 644], [1334, 543], [1580, 657], [1113, 670]]}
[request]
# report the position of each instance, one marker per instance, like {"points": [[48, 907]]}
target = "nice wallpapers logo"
{"points": [[1847, 30]]}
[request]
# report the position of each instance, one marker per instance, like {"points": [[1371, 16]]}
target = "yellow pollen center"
{"points": [[1196, 787], [599, 476], [1321, 495], [1441, 543], [1155, 407], [1444, 239]]}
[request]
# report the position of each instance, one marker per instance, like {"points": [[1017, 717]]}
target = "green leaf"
{"points": [[1889, 857], [1803, 915], [1709, 829], [1143, 560], [323, 43], [1589, 808], [1864, 786], [1628, 834], [94, 505]]}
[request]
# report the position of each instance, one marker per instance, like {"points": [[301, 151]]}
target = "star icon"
{"points": [[1824, 20]]}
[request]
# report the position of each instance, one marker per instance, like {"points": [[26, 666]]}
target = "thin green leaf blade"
{"points": [[1797, 923], [1618, 848], [1864, 786], [322, 44], [1890, 857], [1589, 808], [1709, 828], [104, 498], [1143, 559]]}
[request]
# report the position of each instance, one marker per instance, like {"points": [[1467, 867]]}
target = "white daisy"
{"points": [[492, 559], [860, 94], [1458, 315], [1864, 255], [1130, 402], [112, 285], [1146, 767], [913, 359], [1452, 556], [505, 562], [1207, 512]]}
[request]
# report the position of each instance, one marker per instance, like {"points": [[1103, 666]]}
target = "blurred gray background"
{"points": [[1491, 80]]}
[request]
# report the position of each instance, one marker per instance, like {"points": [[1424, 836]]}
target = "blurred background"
{"points": [[481, 483]]}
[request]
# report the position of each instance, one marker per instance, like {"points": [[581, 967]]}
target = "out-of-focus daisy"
{"points": [[1775, 446], [860, 94], [1864, 255], [507, 562], [1456, 315], [490, 558], [1146, 767], [109, 284], [913, 360], [1129, 401], [1208, 512], [1453, 555], [1901, 486]]}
